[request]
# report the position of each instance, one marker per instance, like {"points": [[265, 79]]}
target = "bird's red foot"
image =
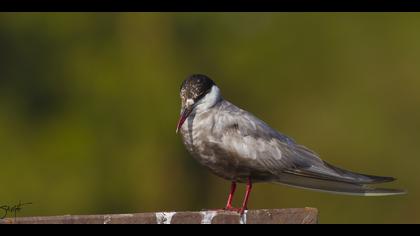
{"points": [[238, 210], [230, 208], [224, 209], [241, 211]]}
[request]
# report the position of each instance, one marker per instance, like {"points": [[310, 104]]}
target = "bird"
{"points": [[237, 146]]}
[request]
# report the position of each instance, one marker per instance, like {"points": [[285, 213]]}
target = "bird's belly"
{"points": [[231, 169], [225, 164]]}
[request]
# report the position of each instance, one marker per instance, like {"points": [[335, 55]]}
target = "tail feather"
{"points": [[326, 171], [307, 163], [337, 187], [360, 178]]}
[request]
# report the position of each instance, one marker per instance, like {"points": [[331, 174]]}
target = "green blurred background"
{"points": [[89, 105]]}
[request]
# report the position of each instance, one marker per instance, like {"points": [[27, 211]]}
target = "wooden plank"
{"points": [[263, 216]]}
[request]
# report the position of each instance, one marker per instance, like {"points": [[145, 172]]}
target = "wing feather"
{"points": [[264, 148]]}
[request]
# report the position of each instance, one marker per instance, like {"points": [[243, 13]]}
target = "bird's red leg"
{"points": [[248, 192], [230, 199]]}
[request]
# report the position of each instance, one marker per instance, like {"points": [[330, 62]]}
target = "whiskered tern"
{"points": [[237, 146]]}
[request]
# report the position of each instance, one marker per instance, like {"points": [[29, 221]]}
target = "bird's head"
{"points": [[197, 92]]}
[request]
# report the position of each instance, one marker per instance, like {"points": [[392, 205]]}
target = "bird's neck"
{"points": [[210, 100]]}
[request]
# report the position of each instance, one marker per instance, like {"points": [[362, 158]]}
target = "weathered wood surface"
{"points": [[270, 216]]}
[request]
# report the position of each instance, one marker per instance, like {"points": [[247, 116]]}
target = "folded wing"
{"points": [[288, 162]]}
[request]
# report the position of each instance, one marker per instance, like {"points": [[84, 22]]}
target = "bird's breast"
{"points": [[196, 133], [201, 138]]}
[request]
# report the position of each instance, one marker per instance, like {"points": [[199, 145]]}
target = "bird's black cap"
{"points": [[196, 86]]}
